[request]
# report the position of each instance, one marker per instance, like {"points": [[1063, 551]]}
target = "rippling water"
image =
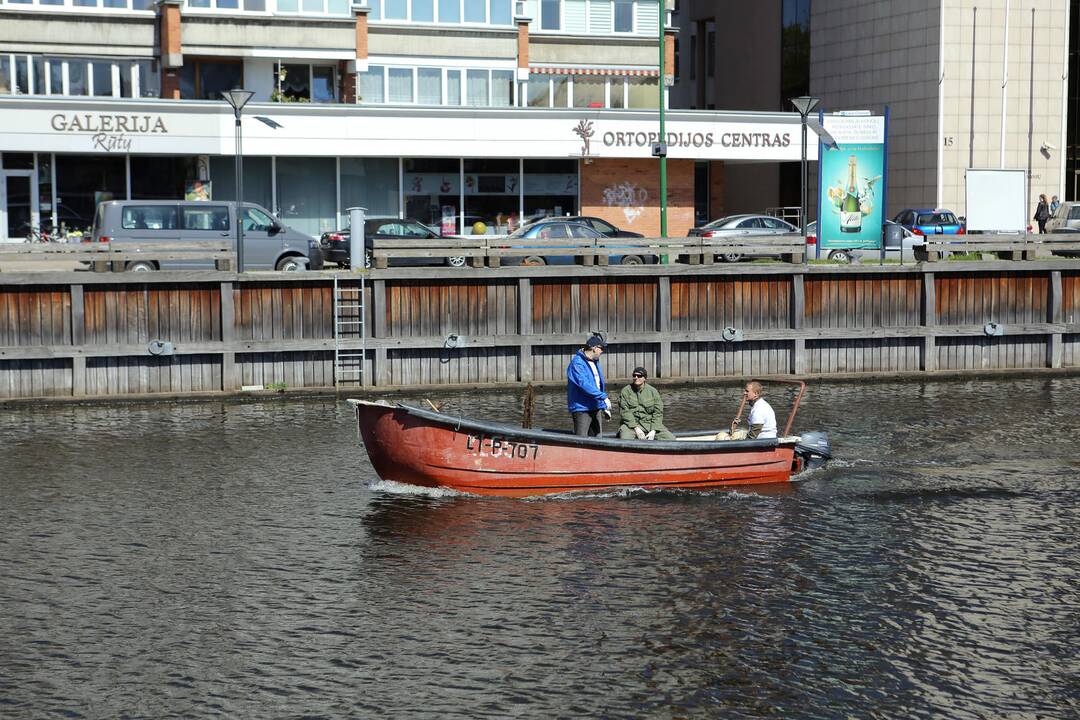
{"points": [[240, 559]]}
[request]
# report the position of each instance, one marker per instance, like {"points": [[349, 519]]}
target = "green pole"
{"points": [[663, 135]]}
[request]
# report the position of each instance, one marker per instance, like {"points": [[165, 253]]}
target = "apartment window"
{"points": [[476, 11], [395, 9], [423, 10], [643, 93], [206, 79], [560, 91], [623, 13], [710, 54], [450, 11], [477, 87], [429, 86], [499, 12], [371, 85], [453, 87], [401, 85], [77, 83], [502, 88], [300, 82], [618, 93], [550, 14]]}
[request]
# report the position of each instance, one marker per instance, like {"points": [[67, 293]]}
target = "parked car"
{"points": [[335, 244], [1075, 231], [929, 221], [547, 234], [1066, 216], [603, 227], [744, 228], [847, 255], [269, 244]]}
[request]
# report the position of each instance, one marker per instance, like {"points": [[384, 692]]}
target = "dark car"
{"points": [[603, 227], [744, 228], [335, 244], [930, 221], [547, 234]]}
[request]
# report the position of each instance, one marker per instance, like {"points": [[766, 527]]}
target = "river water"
{"points": [[239, 559]]}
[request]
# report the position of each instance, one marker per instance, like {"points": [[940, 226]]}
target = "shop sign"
{"points": [[109, 132]]}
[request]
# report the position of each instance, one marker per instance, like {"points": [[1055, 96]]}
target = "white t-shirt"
{"points": [[762, 414]]}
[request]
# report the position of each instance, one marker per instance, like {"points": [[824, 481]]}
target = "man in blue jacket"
{"points": [[586, 394]]}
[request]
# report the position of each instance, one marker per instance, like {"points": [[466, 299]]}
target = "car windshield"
{"points": [[937, 218]]}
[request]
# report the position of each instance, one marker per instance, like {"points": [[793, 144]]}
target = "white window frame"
{"points": [[463, 75], [311, 79], [68, 6], [486, 22]]}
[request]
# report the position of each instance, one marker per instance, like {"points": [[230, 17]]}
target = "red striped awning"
{"points": [[607, 72]]}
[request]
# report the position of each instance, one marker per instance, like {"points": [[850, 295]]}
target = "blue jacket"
{"points": [[582, 395]]}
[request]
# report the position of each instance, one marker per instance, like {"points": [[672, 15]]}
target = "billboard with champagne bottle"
{"points": [[852, 183]]}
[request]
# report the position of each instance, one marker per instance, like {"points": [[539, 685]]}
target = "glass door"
{"points": [[18, 206]]}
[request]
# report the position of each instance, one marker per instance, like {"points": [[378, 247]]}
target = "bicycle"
{"points": [[37, 235]]}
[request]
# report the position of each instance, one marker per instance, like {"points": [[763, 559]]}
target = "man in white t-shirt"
{"points": [[762, 419]]}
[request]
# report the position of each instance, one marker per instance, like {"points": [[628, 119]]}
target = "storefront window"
{"points": [[156, 177], [551, 188], [370, 183], [432, 196], [539, 91], [589, 92], [560, 90], [45, 189], [257, 180], [618, 93], [492, 195], [307, 193], [83, 181], [643, 93]]}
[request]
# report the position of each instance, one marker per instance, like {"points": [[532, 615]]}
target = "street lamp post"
{"points": [[237, 99], [805, 105]]}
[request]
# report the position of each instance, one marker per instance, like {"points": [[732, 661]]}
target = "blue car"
{"points": [[556, 233], [930, 221]]}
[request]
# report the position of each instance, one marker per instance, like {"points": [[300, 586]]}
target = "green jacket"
{"points": [[644, 408]]}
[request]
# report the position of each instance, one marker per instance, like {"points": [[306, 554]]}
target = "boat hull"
{"points": [[416, 447]]}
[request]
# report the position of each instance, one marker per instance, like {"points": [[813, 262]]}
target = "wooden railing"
{"points": [[106, 256], [586, 251], [1006, 247]]}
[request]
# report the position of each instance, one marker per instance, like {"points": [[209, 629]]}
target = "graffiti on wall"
{"points": [[628, 196]]}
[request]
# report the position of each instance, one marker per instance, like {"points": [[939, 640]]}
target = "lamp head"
{"points": [[805, 104], [237, 98]]}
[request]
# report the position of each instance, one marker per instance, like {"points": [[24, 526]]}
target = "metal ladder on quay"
{"points": [[349, 327]]}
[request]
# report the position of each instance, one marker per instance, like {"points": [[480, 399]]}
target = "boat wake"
{"points": [[396, 488]]}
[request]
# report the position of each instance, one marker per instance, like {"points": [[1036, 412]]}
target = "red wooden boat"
{"points": [[432, 449]]}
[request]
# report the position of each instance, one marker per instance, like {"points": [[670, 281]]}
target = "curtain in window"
{"points": [[477, 87], [453, 87], [401, 85], [371, 85], [429, 86], [502, 88]]}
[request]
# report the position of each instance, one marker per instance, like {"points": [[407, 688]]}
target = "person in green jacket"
{"points": [[642, 411]]}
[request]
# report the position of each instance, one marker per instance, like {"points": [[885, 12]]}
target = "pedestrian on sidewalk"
{"points": [[1042, 214]]}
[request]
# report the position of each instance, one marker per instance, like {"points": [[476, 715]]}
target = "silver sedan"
{"points": [[744, 228]]}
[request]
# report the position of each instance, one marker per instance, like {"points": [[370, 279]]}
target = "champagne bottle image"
{"points": [[850, 214]]}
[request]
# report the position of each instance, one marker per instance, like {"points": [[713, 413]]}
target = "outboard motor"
{"points": [[814, 449]]}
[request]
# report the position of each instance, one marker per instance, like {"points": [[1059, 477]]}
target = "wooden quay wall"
{"points": [[79, 334]]}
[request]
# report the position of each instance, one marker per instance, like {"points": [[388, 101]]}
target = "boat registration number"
{"points": [[487, 445]]}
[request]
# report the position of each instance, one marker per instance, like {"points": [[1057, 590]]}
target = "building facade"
{"points": [[448, 111], [968, 84]]}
